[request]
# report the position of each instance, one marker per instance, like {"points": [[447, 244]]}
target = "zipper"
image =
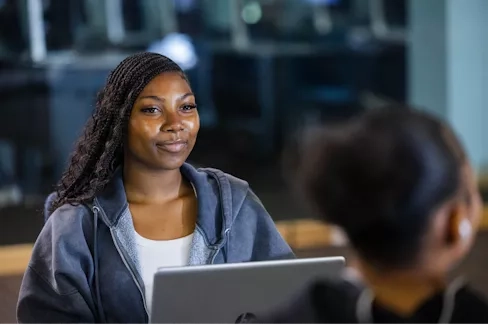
{"points": [[216, 251], [219, 185], [219, 247], [129, 268], [215, 248], [97, 298]]}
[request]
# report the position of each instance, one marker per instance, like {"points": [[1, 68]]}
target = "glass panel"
{"points": [[12, 44], [293, 20], [63, 19], [133, 15]]}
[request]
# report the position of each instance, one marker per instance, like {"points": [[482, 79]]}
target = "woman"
{"points": [[398, 182], [129, 204]]}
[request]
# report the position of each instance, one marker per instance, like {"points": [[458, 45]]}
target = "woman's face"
{"points": [[163, 124]]}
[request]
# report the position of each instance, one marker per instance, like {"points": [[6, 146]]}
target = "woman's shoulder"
{"points": [[220, 174], [217, 178], [69, 214], [67, 223], [68, 211], [63, 245]]}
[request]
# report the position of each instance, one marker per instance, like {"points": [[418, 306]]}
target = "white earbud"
{"points": [[465, 229]]}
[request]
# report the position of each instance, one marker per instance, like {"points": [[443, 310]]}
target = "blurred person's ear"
{"points": [[460, 229], [450, 237], [464, 214], [460, 232]]}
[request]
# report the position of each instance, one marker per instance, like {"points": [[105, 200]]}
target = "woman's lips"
{"points": [[173, 147]]}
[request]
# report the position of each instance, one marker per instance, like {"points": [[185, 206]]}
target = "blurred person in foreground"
{"points": [[129, 204], [398, 182]]}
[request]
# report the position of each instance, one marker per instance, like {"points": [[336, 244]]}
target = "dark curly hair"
{"points": [[380, 177], [99, 149]]}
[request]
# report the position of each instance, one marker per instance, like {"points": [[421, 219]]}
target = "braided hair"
{"points": [[99, 150]]}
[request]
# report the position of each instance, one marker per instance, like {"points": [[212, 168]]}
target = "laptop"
{"points": [[233, 293]]}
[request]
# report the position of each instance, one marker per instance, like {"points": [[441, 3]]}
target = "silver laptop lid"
{"points": [[223, 293]]}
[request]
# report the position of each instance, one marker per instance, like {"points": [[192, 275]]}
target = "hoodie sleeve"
{"points": [[254, 236], [55, 287]]}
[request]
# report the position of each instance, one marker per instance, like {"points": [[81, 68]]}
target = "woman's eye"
{"points": [[189, 107], [150, 110]]}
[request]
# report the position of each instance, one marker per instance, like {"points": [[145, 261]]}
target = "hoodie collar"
{"points": [[214, 194]]}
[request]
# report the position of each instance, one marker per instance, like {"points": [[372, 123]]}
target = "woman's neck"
{"points": [[143, 186], [402, 291]]}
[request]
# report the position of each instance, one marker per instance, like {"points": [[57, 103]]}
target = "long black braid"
{"points": [[99, 150]]}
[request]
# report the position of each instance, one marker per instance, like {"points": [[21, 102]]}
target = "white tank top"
{"points": [[155, 254]]}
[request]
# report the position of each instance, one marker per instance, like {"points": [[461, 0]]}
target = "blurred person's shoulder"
{"points": [[470, 307], [325, 301]]}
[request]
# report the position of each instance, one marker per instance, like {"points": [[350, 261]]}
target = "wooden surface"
{"points": [[14, 259], [483, 181], [9, 292], [304, 234], [484, 219]]}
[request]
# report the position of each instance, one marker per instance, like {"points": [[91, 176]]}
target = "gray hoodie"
{"points": [[84, 266]]}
